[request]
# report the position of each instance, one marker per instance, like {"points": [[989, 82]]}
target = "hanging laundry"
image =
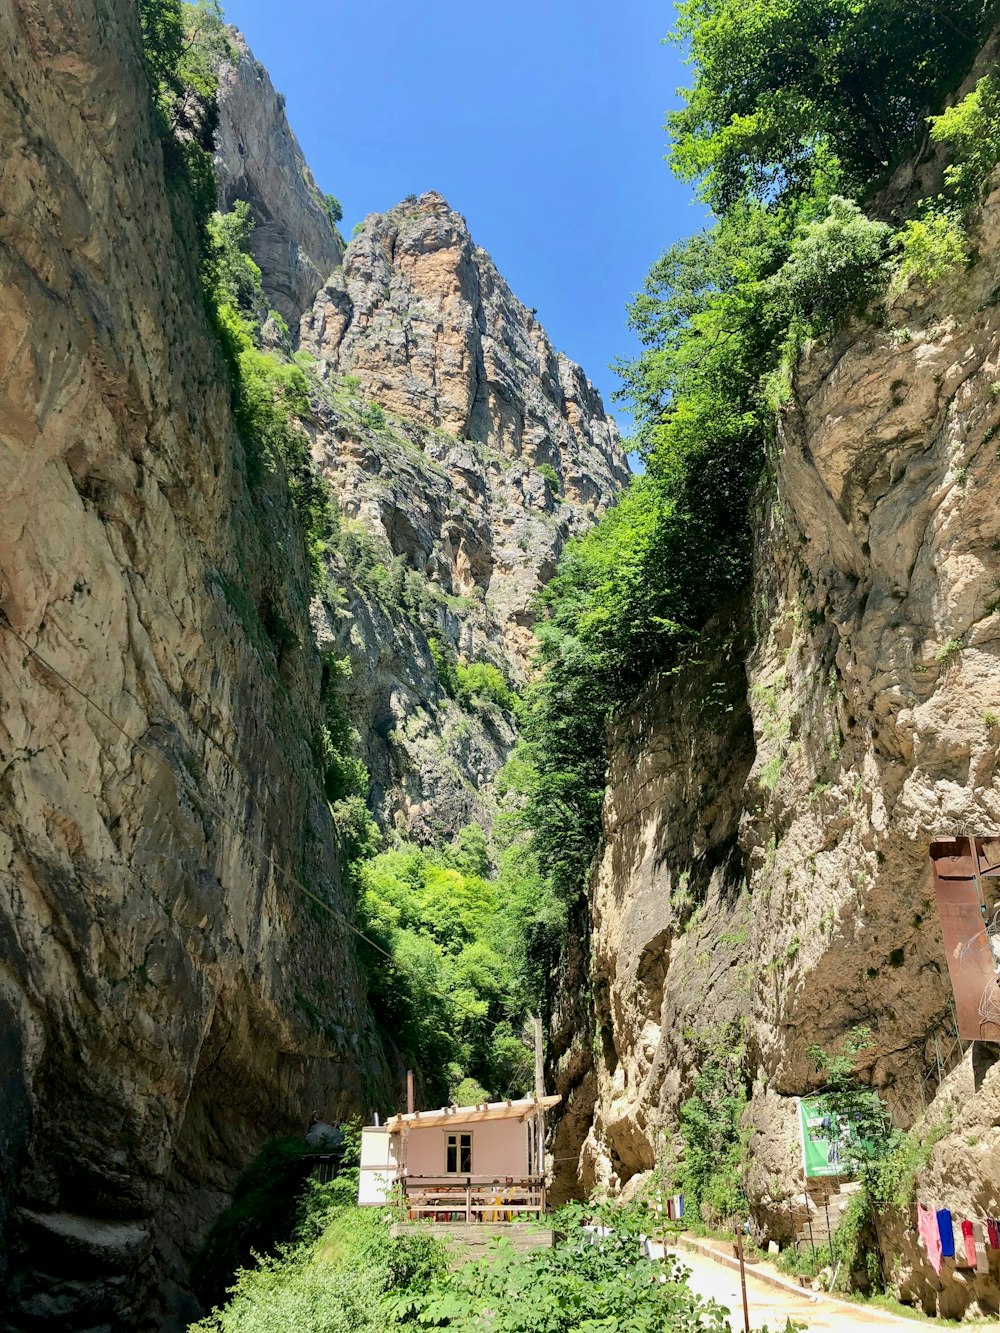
{"points": [[982, 1259], [993, 1232], [968, 1244], [929, 1234], [946, 1232]]}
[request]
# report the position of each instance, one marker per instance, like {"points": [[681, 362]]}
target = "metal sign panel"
{"points": [[824, 1137], [966, 890]]}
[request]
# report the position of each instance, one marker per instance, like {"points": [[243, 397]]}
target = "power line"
{"points": [[223, 816]]}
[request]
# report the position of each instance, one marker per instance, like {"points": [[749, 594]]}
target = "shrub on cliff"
{"points": [[263, 1215]]}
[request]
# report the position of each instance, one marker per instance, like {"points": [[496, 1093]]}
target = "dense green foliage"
{"points": [[884, 1159], [182, 47], [334, 1277], [711, 1174], [776, 83], [270, 395], [345, 1275], [454, 999]]}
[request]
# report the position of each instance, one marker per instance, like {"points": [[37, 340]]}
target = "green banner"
{"points": [[824, 1139]]}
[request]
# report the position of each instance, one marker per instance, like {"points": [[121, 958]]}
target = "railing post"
{"points": [[468, 1203]]}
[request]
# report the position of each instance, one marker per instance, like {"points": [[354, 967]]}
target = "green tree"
{"points": [[776, 83]]}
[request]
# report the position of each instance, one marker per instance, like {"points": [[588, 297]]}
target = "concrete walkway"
{"points": [[772, 1300]]}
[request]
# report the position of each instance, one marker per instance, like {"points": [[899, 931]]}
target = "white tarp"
{"points": [[378, 1165]]}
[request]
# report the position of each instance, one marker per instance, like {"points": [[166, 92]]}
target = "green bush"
{"points": [[481, 682], [837, 264], [445, 661], [971, 129], [453, 999], [776, 85], [576, 1285], [547, 471], [373, 417], [183, 46], [931, 246], [262, 1217], [334, 1280]]}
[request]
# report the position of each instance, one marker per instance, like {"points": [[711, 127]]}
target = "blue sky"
{"points": [[540, 120]]}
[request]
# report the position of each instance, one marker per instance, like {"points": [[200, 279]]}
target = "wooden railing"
{"points": [[473, 1199]]}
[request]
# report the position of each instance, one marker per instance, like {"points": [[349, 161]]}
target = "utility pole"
{"points": [[411, 1102], [539, 1060], [743, 1275]]}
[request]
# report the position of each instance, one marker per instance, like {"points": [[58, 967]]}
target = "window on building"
{"points": [[458, 1154]]}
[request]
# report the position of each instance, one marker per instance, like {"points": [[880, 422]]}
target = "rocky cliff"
{"points": [[486, 452], [769, 813], [160, 807], [177, 975]]}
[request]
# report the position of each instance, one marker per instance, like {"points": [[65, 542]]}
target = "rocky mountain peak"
{"points": [[421, 316]]}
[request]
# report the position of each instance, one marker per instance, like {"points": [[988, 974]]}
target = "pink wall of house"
{"points": [[499, 1148]]}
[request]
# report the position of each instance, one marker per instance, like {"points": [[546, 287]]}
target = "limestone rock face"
{"points": [[420, 321], [258, 159], [161, 972], [435, 399], [767, 825]]}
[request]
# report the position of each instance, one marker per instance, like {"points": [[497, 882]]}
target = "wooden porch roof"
{"points": [[472, 1115]]}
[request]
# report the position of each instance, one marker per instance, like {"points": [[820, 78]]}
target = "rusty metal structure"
{"points": [[967, 890]]}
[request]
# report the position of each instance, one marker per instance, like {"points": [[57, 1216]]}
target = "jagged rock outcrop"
{"points": [[258, 159], [168, 996], [436, 398], [784, 880], [423, 324]]}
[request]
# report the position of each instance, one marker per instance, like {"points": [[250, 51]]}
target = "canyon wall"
{"points": [[178, 979], [764, 872]]}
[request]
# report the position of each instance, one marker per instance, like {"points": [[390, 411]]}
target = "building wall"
{"points": [[499, 1148]]}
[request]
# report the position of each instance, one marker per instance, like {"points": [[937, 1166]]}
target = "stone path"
{"points": [[773, 1306]]}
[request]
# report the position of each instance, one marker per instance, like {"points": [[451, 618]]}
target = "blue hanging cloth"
{"points": [[947, 1233]]}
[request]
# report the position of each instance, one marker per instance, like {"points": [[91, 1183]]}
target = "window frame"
{"points": [[458, 1135]]}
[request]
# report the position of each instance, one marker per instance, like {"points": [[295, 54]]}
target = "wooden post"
{"points": [[809, 1219], [743, 1276], [539, 1093], [411, 1104], [468, 1202]]}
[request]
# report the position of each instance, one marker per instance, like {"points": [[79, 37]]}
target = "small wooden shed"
{"points": [[482, 1163]]}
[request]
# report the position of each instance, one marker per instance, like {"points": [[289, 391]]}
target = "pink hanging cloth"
{"points": [[927, 1228], [969, 1243]]}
